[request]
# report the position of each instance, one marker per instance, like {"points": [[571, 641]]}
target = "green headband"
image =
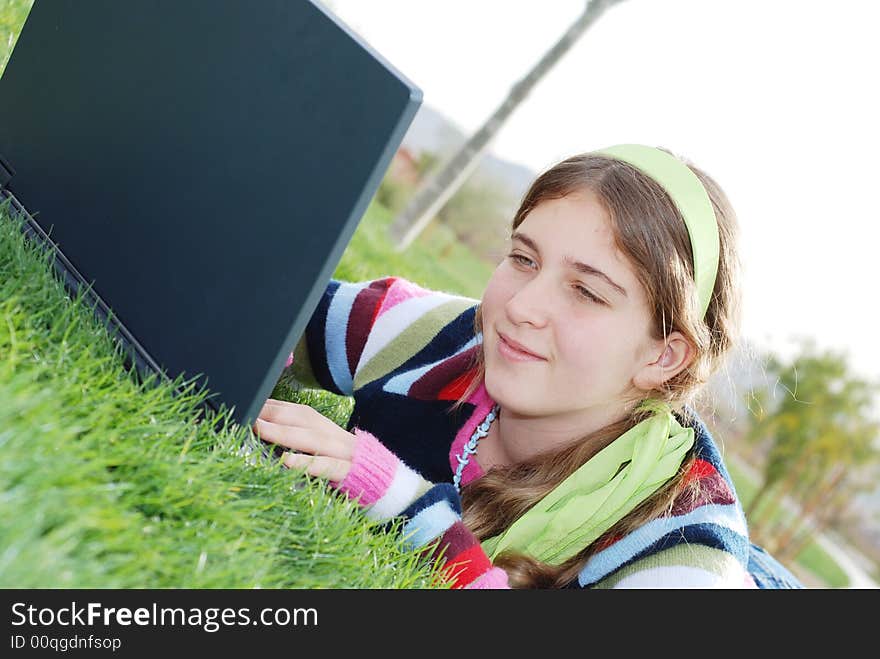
{"points": [[692, 201]]}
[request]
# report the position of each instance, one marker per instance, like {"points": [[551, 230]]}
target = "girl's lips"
{"points": [[515, 355]]}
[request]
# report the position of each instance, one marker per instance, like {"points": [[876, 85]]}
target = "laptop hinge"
{"points": [[6, 172]]}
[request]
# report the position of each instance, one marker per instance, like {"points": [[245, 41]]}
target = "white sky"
{"points": [[776, 99]]}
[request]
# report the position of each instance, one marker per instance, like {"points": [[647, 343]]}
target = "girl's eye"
{"points": [[582, 292], [519, 258], [586, 293]]}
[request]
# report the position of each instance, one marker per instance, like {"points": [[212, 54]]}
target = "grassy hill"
{"points": [[105, 482], [108, 482]]}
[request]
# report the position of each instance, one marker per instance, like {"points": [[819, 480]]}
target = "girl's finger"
{"points": [[298, 439], [320, 466], [331, 442], [287, 413]]}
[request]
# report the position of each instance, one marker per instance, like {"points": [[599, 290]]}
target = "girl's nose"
{"points": [[530, 304]]}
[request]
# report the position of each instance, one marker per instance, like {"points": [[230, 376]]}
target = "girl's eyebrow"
{"points": [[583, 268]]}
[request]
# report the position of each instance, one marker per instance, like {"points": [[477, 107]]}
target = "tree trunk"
{"points": [[808, 515], [758, 498], [787, 485], [440, 186], [822, 515], [824, 521]]}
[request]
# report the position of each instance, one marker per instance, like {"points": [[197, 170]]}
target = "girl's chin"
{"points": [[504, 389]]}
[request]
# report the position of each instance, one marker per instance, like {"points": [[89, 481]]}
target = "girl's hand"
{"points": [[320, 446]]}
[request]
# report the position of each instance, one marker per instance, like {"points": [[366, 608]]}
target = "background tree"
{"points": [[818, 436]]}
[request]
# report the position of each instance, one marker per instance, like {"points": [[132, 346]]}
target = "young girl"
{"points": [[543, 437]]}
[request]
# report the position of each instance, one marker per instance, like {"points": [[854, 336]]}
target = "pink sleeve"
{"points": [[386, 487], [496, 578], [378, 480]]}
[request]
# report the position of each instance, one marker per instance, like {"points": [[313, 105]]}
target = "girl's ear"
{"points": [[675, 355]]}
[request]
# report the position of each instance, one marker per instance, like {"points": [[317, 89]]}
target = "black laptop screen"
{"points": [[204, 163]]}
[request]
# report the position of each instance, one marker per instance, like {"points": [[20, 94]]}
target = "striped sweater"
{"points": [[402, 352]]}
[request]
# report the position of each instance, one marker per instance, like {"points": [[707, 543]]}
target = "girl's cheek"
{"points": [[584, 346], [494, 296]]}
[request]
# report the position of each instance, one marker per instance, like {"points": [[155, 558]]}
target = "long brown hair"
{"points": [[649, 230]]}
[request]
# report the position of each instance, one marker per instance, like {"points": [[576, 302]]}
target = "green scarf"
{"points": [[604, 489]]}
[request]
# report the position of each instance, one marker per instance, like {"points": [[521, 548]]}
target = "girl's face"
{"points": [[566, 294]]}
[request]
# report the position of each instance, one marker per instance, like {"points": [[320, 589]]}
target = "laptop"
{"points": [[198, 169]]}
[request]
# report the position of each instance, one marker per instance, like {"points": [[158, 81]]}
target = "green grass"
{"points": [[815, 559], [812, 558], [12, 15], [105, 482]]}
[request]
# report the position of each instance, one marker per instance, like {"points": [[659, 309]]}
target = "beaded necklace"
{"points": [[470, 448]]}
